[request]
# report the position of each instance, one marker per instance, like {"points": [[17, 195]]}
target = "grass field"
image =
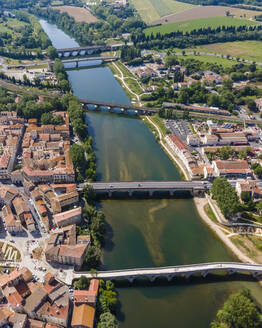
{"points": [[251, 50], [151, 10], [196, 24], [79, 14], [211, 59]]}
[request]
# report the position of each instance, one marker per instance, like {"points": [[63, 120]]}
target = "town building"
{"points": [[231, 169], [69, 217], [259, 104], [63, 247]]}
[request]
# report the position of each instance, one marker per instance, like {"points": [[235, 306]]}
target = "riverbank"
{"points": [[201, 202]]}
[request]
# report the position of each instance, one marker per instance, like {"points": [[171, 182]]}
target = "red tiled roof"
{"points": [[177, 142]]}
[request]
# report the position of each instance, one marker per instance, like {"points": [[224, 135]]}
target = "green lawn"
{"points": [[191, 25], [151, 10]]}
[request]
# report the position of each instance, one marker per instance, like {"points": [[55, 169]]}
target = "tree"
{"points": [[82, 283], [225, 152], [51, 52], [107, 320], [251, 105], [46, 118], [239, 311], [245, 196], [171, 60], [259, 207]]}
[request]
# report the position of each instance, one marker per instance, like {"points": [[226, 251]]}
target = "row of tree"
{"points": [[195, 38]]}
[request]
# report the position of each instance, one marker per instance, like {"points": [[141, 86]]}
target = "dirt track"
{"points": [[204, 12]]}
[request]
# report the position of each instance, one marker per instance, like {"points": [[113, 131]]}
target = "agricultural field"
{"points": [[211, 59], [79, 14], [195, 24], [151, 10], [206, 12], [251, 50]]}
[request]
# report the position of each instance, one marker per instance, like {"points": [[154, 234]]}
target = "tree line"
{"points": [[197, 37]]}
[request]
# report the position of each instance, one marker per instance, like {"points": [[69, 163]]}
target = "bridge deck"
{"points": [[174, 270], [106, 104], [145, 185]]}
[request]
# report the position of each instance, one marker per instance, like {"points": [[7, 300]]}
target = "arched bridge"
{"points": [[124, 108], [87, 50], [172, 271], [194, 187]]}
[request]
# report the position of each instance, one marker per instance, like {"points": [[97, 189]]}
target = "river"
{"points": [[148, 232]]}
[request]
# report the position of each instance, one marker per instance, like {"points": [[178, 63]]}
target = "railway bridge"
{"points": [[196, 188], [171, 272]]}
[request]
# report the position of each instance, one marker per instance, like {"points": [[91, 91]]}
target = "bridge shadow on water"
{"points": [[180, 281], [143, 195], [195, 279]]}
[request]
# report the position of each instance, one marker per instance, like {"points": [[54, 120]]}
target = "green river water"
{"points": [[153, 232]]}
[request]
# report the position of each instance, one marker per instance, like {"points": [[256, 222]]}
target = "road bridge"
{"points": [[87, 50], [76, 60], [196, 188], [171, 272], [98, 105]]}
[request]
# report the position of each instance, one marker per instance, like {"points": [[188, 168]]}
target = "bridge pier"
{"points": [[170, 277], [110, 194], [152, 278], [171, 192], [188, 275], [151, 192], [204, 273], [130, 193], [131, 279], [231, 271], [256, 274]]}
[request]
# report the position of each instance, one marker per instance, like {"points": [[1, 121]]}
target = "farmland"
{"points": [[211, 59], [188, 26], [206, 12], [79, 14], [251, 50], [151, 10]]}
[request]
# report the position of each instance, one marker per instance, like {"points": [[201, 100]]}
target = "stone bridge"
{"points": [[87, 50], [196, 188], [171, 272], [98, 105]]}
